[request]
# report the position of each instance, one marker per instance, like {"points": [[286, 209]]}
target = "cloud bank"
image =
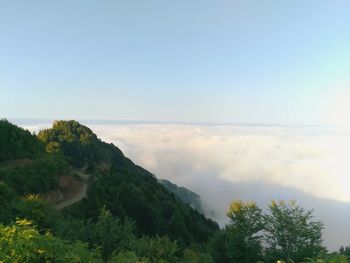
{"points": [[313, 160]]}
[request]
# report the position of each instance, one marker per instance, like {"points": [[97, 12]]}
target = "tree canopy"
{"points": [[292, 232], [17, 143]]}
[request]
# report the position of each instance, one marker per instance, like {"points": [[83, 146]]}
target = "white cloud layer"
{"points": [[313, 160]]}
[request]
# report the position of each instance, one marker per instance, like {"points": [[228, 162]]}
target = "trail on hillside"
{"points": [[78, 194]]}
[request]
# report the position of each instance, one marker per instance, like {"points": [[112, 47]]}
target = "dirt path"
{"points": [[78, 194]]}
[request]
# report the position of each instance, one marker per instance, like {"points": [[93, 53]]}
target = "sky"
{"points": [[277, 65], [271, 62]]}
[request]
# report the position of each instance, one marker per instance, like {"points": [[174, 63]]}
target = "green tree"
{"points": [[330, 259], [17, 143], [111, 235], [126, 257], [22, 243], [345, 251], [156, 249], [292, 233], [195, 256], [8, 200], [37, 210], [244, 239], [218, 248], [240, 241], [108, 234]]}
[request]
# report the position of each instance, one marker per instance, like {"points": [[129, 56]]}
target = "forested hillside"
{"points": [[126, 190], [139, 214], [185, 195], [17, 143], [25, 166]]}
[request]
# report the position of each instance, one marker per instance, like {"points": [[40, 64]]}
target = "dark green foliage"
{"points": [[157, 248], [108, 233], [196, 256], [288, 232], [24, 164], [17, 143], [333, 258], [31, 207], [37, 176], [8, 200], [345, 251], [292, 233], [126, 257], [37, 210], [218, 247], [116, 241], [185, 195], [240, 241], [154, 210], [111, 234], [245, 227]]}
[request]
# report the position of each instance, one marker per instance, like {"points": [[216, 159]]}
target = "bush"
{"points": [[22, 242]]}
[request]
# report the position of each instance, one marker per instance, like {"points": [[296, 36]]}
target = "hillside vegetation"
{"points": [[185, 195], [127, 213], [18, 143], [25, 166], [125, 189]]}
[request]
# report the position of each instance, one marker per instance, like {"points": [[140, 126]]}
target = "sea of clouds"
{"points": [[260, 163]]}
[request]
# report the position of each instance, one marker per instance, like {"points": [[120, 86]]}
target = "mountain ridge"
{"points": [[185, 195], [119, 185]]}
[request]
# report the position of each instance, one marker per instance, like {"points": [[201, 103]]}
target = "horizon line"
{"points": [[27, 121]]}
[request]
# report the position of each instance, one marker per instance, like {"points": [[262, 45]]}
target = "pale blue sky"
{"points": [[281, 62]]}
